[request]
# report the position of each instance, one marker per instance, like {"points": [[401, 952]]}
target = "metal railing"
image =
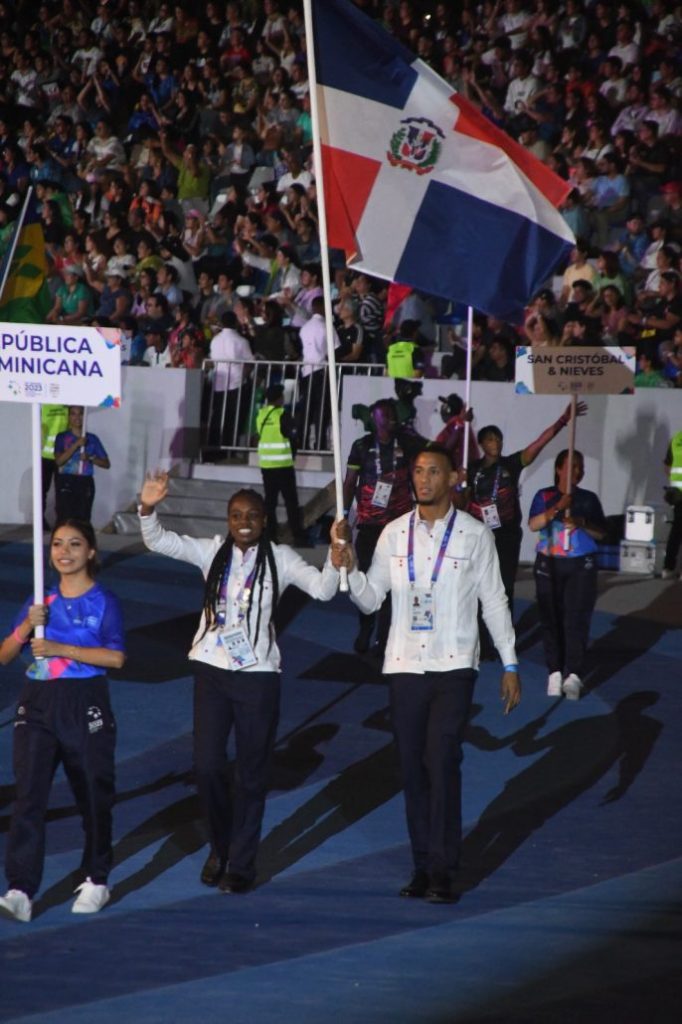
{"points": [[234, 391]]}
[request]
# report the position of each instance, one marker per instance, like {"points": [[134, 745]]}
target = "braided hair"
{"points": [[265, 557]]}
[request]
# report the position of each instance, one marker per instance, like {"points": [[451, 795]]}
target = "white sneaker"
{"points": [[572, 687], [91, 898], [16, 904], [554, 684]]}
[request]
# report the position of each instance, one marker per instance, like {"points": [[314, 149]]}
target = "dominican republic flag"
{"points": [[420, 187]]}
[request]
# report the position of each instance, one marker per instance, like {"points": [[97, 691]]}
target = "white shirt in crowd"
{"points": [[229, 345], [314, 344]]}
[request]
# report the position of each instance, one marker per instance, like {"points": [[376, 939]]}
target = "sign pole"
{"points": [[569, 460], [326, 277], [37, 464]]}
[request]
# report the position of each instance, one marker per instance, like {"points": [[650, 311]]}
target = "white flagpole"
{"points": [[571, 449], [467, 388], [36, 449], [326, 277], [84, 428], [15, 239], [37, 475]]}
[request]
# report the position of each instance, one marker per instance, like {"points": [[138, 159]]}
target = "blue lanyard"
{"points": [[441, 552], [242, 598]]}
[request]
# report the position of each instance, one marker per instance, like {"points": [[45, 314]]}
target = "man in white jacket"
{"points": [[438, 563]]}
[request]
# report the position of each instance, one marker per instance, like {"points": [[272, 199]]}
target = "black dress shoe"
{"points": [[417, 886], [213, 870], [235, 883], [441, 889]]}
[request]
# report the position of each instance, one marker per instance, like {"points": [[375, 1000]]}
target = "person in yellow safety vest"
{"points": [[673, 495], [403, 358], [275, 429], [53, 420]]}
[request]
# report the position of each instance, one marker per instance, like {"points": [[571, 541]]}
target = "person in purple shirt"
{"points": [[75, 455], [570, 523]]}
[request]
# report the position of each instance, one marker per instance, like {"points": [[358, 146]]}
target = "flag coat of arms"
{"points": [[420, 187]]}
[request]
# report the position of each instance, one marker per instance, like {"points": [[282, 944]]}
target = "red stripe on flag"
{"points": [[349, 180], [397, 293], [473, 123]]}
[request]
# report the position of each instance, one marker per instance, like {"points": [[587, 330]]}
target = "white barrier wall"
{"points": [[623, 437], [157, 425]]}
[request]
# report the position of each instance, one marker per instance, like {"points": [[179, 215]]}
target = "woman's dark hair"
{"points": [[221, 564], [561, 459], [88, 534]]}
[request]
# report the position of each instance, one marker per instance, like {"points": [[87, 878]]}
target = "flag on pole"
{"points": [[26, 297], [420, 187]]}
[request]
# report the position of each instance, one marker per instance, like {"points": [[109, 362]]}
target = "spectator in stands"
{"points": [[231, 353]]}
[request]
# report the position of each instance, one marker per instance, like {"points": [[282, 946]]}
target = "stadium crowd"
{"points": [[170, 149]]}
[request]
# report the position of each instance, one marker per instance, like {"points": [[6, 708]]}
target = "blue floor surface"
{"points": [[571, 870]]}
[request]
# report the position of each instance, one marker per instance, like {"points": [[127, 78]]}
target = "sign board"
{"points": [[60, 364], [583, 370]]}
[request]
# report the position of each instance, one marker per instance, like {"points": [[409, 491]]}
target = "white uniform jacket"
{"points": [[470, 572], [291, 570]]}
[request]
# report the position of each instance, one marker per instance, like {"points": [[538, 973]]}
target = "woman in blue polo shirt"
{"points": [[570, 527], [75, 455], [64, 715]]}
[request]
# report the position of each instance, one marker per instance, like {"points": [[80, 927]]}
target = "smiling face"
{"points": [[71, 553], [245, 520]]}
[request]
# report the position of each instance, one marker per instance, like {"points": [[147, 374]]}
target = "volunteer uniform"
{"points": [[64, 715]]}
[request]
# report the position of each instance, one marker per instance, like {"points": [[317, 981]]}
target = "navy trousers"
{"points": [[567, 592], [429, 714], [68, 721], [249, 702]]}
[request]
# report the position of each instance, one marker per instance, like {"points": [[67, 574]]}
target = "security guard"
{"points": [[275, 429], [53, 420], [402, 359]]}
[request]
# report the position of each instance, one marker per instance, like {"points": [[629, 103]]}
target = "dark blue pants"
{"points": [[68, 721], [429, 714], [567, 592], [249, 701]]}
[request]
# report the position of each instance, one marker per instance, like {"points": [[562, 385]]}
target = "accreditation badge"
{"points": [[421, 610], [382, 494], [491, 517], [237, 646]]}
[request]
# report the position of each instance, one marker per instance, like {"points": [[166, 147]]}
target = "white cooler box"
{"points": [[646, 523], [640, 523], [645, 559]]}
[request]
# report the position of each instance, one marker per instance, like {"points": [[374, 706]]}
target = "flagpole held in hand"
{"points": [[571, 448], [326, 277]]}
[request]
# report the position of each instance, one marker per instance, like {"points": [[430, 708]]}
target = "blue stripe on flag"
{"points": [[380, 67], [485, 255]]}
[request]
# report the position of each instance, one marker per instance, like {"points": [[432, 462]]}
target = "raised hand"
{"points": [[154, 488]]}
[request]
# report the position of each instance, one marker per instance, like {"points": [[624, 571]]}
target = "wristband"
{"points": [[511, 668], [18, 637]]}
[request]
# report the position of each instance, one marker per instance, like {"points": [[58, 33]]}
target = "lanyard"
{"points": [[377, 460], [441, 552], [242, 598], [496, 484]]}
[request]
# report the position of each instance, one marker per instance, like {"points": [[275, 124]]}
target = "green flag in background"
{"points": [[26, 297]]}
